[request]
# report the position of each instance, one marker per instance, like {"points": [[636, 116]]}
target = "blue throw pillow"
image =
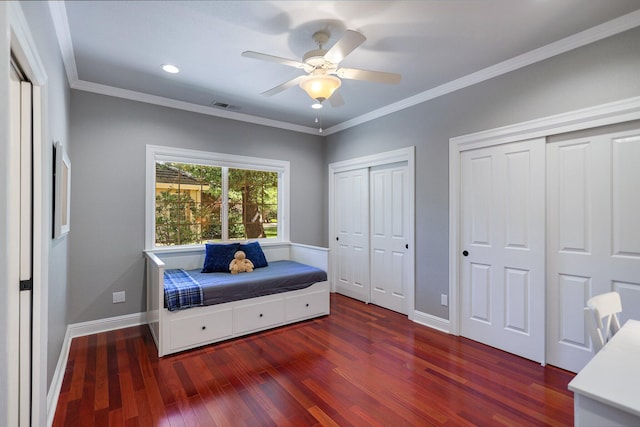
{"points": [[254, 254], [218, 257]]}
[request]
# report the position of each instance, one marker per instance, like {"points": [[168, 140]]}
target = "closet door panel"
{"points": [[389, 236], [593, 236], [352, 233], [502, 236], [626, 196], [573, 180], [518, 194]]}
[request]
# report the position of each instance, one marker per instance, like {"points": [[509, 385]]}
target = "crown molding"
{"points": [[58, 13], [186, 106], [591, 35], [583, 38]]}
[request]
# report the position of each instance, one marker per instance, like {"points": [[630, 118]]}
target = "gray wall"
{"points": [[603, 72], [108, 177]]}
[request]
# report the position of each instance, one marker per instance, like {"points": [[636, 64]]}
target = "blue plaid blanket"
{"points": [[181, 290]]}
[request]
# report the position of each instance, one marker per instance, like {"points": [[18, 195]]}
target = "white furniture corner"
{"points": [[607, 390], [180, 330]]}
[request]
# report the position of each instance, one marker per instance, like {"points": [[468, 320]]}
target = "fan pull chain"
{"points": [[319, 123]]}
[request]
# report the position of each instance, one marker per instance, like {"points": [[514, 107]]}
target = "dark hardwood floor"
{"points": [[362, 365]]}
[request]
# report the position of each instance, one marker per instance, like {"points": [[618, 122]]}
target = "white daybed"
{"points": [[175, 331]]}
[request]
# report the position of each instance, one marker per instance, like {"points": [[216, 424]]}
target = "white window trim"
{"points": [[182, 155]]}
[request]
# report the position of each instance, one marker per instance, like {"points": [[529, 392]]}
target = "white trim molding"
{"points": [[583, 38], [186, 106], [431, 321], [58, 12], [104, 325], [601, 115], [56, 381], [388, 157]]}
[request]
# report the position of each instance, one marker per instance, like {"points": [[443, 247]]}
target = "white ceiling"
{"points": [[117, 48]]}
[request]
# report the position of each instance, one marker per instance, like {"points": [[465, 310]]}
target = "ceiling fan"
{"points": [[321, 66]]}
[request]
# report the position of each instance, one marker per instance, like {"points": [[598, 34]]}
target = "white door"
{"points": [[390, 228], [502, 239], [20, 258], [351, 259], [593, 236]]}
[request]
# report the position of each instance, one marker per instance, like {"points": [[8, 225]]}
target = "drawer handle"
{"points": [[306, 305], [260, 315], [204, 327]]}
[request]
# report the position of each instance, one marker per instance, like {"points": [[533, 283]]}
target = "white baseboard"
{"points": [[431, 321], [80, 330], [108, 324], [56, 381]]}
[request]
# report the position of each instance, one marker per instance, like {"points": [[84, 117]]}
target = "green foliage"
{"points": [[172, 224], [253, 202]]}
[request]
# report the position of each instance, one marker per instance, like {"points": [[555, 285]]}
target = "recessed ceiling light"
{"points": [[316, 106], [170, 68]]}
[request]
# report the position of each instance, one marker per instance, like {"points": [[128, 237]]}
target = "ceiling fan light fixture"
{"points": [[316, 105], [320, 87]]}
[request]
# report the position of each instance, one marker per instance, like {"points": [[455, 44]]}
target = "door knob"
{"points": [[465, 253]]}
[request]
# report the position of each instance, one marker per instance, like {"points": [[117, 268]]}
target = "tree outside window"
{"points": [[253, 204], [192, 206]]}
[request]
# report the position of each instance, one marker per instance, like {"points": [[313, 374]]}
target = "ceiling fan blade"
{"points": [[336, 100], [284, 86], [271, 58], [343, 47], [372, 76]]}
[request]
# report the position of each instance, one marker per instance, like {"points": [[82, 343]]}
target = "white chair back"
{"points": [[601, 315]]}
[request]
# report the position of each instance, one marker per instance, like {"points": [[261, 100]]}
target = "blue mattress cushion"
{"points": [[278, 276], [254, 254], [218, 256]]}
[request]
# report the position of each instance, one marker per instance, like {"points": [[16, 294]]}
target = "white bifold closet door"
{"points": [[20, 257], [593, 236], [352, 233], [372, 229], [389, 216], [502, 229]]}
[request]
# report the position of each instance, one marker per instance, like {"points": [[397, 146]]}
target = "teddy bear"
{"points": [[240, 263]]}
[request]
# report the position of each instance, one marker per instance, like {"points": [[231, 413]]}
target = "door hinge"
{"points": [[26, 285]]}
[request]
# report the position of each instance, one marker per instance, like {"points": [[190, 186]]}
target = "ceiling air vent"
{"points": [[224, 105]]}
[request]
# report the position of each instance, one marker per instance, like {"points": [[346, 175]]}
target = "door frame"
{"points": [[600, 115], [400, 155], [23, 48]]}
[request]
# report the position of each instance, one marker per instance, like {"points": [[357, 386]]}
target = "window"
{"points": [[194, 197]]}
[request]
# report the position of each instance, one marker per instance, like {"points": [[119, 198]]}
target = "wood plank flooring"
{"points": [[360, 366]]}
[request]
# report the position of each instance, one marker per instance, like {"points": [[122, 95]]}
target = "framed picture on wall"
{"points": [[61, 190]]}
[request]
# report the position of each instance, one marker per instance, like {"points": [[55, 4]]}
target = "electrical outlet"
{"points": [[443, 300], [119, 297]]}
